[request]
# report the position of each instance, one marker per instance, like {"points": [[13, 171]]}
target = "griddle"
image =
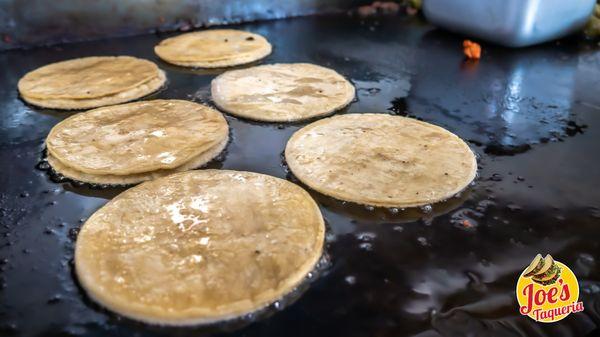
{"points": [[532, 116]]}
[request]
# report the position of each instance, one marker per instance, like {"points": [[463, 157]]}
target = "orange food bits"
{"points": [[472, 49], [467, 224]]}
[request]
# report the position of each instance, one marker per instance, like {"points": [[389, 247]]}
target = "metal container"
{"points": [[513, 23]]}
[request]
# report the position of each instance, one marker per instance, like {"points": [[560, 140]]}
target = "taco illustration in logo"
{"points": [[543, 271], [547, 290]]}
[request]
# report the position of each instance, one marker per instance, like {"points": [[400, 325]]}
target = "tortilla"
{"points": [[90, 82], [281, 92], [112, 179], [159, 136], [80, 104], [199, 246], [380, 160], [213, 48]]}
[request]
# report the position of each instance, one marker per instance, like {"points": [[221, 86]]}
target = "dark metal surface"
{"points": [[533, 117], [39, 22]]}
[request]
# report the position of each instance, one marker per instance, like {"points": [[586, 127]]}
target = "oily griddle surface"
{"points": [[532, 115]]}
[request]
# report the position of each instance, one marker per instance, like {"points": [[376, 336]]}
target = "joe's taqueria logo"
{"points": [[547, 290]]}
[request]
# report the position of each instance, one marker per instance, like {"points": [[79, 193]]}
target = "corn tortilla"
{"points": [[136, 138], [281, 92], [90, 82], [129, 179], [213, 48], [381, 160], [199, 246], [80, 104]]}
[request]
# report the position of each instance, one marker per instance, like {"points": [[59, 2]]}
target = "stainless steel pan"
{"points": [[513, 23]]}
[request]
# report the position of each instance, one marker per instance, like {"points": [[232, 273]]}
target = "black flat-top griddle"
{"points": [[531, 115]]}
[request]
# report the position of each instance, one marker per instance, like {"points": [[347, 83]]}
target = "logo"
{"points": [[547, 290]]}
